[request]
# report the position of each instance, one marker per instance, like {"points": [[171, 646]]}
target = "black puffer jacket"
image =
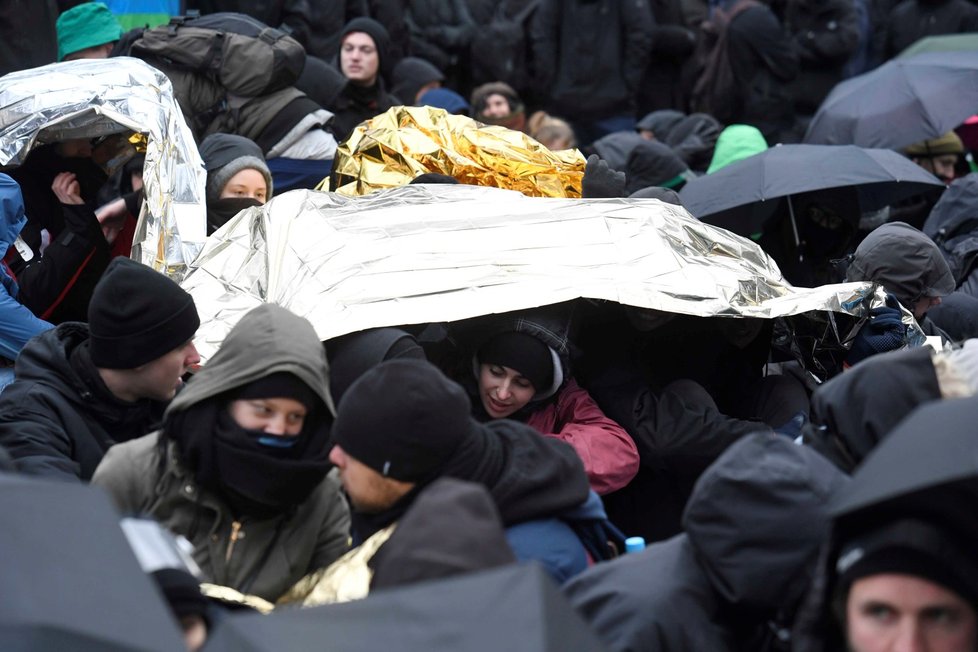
{"points": [[58, 419], [753, 529], [825, 34], [912, 20], [953, 226], [590, 55]]}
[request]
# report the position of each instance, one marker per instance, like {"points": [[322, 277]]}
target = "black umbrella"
{"points": [[904, 101], [68, 577], [927, 463], [738, 196], [515, 608]]}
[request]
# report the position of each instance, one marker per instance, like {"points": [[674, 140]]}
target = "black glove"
{"points": [[883, 331], [600, 180]]}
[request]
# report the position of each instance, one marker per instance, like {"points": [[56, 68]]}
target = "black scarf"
{"points": [[227, 459], [222, 210]]}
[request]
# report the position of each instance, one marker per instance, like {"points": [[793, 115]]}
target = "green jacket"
{"points": [[260, 557], [736, 142]]}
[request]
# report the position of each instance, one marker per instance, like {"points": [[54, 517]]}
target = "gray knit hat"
{"points": [[227, 154]]}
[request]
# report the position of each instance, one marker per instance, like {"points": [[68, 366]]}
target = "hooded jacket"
{"points": [[953, 226], [906, 263], [753, 529], [825, 34], [410, 74], [617, 147], [912, 20], [693, 139], [735, 143], [57, 418], [358, 103], [654, 164], [260, 556]]}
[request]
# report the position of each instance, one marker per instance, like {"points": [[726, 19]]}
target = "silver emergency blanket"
{"points": [[432, 253], [92, 98]]}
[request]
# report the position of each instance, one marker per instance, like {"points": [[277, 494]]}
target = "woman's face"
{"points": [[282, 417], [246, 183], [502, 390]]}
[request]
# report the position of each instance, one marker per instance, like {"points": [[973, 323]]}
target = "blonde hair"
{"points": [[553, 133]]}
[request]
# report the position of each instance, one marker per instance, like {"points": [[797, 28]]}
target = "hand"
{"points": [[883, 331], [600, 180], [67, 189], [112, 218]]}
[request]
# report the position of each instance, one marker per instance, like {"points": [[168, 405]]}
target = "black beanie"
{"points": [[136, 315], [182, 592], [375, 31], [524, 353], [404, 419], [279, 385]]}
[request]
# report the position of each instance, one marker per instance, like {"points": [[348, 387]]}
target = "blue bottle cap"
{"points": [[634, 544]]}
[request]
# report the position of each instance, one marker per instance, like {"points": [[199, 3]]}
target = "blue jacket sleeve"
{"points": [[17, 325]]}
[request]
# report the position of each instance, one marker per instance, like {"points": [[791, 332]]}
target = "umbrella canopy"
{"points": [[737, 197], [904, 101], [514, 608], [929, 462], [68, 577], [943, 43]]}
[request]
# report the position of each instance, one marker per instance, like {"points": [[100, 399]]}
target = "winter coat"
{"points": [[57, 419], [693, 139], [617, 147], [672, 43], [17, 324], [441, 30], [764, 64], [590, 55], [952, 227], [854, 411], [736, 142], [753, 528], [608, 452], [261, 556], [358, 103], [825, 34], [28, 38], [654, 164], [904, 261], [912, 20]]}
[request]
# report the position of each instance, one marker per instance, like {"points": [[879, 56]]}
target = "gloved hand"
{"points": [[600, 180], [883, 331]]}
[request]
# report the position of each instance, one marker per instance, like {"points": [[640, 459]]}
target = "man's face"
{"points": [[359, 60], [159, 379], [893, 613], [369, 491], [497, 106], [941, 166]]}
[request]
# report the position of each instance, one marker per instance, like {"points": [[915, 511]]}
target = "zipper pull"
{"points": [[236, 534]]}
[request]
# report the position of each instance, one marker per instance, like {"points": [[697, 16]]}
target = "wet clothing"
{"points": [[825, 34], [912, 20], [590, 55], [952, 227], [57, 419], [259, 518], [736, 142], [728, 583]]}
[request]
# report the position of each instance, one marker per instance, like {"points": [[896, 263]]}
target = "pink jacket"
{"points": [[608, 452]]}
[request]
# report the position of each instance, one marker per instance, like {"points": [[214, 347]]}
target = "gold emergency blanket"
{"points": [[392, 148], [431, 253], [94, 98]]}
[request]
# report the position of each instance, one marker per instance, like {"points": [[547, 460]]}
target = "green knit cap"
{"points": [[86, 26]]}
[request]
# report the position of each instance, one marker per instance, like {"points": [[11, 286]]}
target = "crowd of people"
{"points": [[781, 508]]}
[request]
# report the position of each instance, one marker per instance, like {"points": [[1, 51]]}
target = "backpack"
{"points": [[499, 50], [240, 53]]}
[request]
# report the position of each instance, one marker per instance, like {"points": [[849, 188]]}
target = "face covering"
{"points": [[222, 210]]}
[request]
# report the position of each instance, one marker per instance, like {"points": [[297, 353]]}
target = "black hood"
{"points": [[661, 122], [694, 139], [376, 31], [953, 225], [652, 164], [615, 148], [410, 74], [904, 261], [351, 356], [757, 518], [322, 82]]}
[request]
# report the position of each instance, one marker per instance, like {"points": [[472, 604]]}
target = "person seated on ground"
{"points": [[655, 164], [939, 156], [497, 103], [735, 143], [684, 388], [522, 373], [87, 31], [734, 578], [447, 99], [899, 570], [908, 265], [693, 139], [363, 48], [852, 412], [404, 424], [412, 76], [18, 324], [952, 227], [80, 388], [657, 124], [240, 466], [352, 355], [237, 177], [553, 133]]}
